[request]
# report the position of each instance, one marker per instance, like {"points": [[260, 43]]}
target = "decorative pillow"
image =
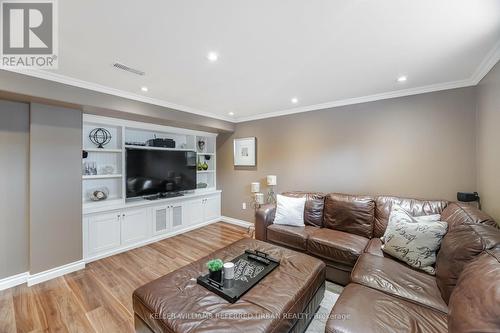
{"points": [[290, 211], [422, 218], [413, 241]]}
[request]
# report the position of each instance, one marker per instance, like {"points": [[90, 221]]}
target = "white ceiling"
{"points": [[326, 52]]}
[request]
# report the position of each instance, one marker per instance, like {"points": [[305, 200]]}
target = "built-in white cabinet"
{"points": [[195, 210], [103, 233], [203, 209], [211, 208], [110, 232], [135, 225], [161, 219], [118, 223], [169, 218], [177, 217]]}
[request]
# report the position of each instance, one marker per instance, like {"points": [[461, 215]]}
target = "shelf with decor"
{"points": [[105, 163], [103, 166], [205, 145]]}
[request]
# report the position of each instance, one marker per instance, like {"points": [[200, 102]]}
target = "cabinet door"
{"points": [[178, 216], [161, 219], [194, 211], [212, 208], [103, 232], [135, 226]]}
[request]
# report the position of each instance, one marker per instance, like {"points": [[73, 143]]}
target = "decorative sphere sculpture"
{"points": [[100, 137]]}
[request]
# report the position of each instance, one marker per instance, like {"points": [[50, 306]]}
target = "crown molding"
{"points": [[491, 58], [364, 99], [487, 64], [41, 74]]}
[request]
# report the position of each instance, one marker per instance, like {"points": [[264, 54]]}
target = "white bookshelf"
{"points": [[124, 132]]}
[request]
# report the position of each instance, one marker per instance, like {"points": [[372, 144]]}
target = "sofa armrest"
{"points": [[264, 216]]}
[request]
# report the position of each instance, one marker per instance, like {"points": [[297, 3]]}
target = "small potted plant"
{"points": [[215, 269]]}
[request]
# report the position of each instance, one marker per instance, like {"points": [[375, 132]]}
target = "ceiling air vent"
{"points": [[128, 69]]}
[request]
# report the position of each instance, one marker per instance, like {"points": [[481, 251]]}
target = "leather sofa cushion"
{"points": [[336, 246], [363, 309], [474, 304], [414, 207], [350, 213], [375, 247], [457, 213], [313, 211], [287, 289], [289, 236], [459, 246], [398, 279]]}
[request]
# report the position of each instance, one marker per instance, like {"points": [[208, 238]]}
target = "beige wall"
{"points": [[14, 154], [420, 146], [55, 187], [488, 142]]}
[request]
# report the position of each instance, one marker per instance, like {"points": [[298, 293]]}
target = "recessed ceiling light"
{"points": [[402, 78], [212, 56], [231, 113], [145, 89], [295, 100]]}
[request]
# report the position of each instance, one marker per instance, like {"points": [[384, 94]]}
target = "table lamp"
{"points": [[257, 197], [271, 182]]}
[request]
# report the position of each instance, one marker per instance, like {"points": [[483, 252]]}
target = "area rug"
{"points": [[332, 293]]}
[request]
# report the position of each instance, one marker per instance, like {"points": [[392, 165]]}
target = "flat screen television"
{"points": [[152, 172]]}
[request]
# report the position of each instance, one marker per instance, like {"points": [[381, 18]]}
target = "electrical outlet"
{"points": [[244, 205]]}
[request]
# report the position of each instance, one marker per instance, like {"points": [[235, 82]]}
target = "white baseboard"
{"points": [[13, 280], [55, 272], [234, 221], [149, 241]]}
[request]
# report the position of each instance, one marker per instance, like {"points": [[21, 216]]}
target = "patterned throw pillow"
{"points": [[414, 241], [423, 218]]}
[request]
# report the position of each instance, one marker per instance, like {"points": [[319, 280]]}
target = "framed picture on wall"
{"points": [[244, 151]]}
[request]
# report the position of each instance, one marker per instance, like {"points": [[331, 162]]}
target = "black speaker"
{"points": [[468, 196], [164, 143]]}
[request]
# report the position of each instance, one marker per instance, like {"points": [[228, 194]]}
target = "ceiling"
{"points": [[323, 52]]}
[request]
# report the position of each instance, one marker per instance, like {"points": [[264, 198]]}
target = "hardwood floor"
{"points": [[99, 298]]}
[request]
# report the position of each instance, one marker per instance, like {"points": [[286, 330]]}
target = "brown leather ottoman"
{"points": [[284, 301]]}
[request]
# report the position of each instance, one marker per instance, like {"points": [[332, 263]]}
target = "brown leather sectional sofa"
{"points": [[383, 294]]}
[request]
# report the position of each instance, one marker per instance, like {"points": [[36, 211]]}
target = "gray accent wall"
{"points": [[55, 187], [488, 142], [417, 146], [14, 157]]}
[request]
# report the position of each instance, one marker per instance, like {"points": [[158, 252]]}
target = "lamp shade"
{"points": [[259, 198], [255, 187], [271, 180]]}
